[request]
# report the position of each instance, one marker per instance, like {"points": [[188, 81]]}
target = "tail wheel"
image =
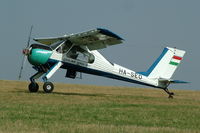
{"points": [[33, 87], [48, 87]]}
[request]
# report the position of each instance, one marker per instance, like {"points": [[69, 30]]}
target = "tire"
{"points": [[33, 87], [48, 87]]}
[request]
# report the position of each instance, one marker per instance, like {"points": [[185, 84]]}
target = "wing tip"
{"points": [[109, 33]]}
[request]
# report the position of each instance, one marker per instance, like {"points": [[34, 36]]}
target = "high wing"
{"points": [[94, 39]]}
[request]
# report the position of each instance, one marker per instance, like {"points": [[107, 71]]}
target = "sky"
{"points": [[147, 26]]}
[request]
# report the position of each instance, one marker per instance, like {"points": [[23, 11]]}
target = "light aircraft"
{"points": [[78, 53]]}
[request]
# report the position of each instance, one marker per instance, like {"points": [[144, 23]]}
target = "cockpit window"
{"points": [[80, 54], [69, 50]]}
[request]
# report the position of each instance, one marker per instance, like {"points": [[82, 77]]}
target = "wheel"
{"points": [[48, 87], [33, 87], [170, 97]]}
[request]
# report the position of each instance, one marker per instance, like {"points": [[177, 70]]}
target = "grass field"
{"points": [[94, 109]]}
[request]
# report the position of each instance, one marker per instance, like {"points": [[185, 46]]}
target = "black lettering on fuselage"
{"points": [[122, 71], [132, 74], [136, 75]]}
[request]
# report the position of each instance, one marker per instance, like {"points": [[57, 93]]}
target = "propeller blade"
{"points": [[24, 57], [29, 37], [22, 67]]}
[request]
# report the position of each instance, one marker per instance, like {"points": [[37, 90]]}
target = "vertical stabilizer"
{"points": [[166, 64]]}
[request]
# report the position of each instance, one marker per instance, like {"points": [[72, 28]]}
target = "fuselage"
{"points": [[42, 55]]}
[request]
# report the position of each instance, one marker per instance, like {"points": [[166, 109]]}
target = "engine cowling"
{"points": [[39, 56]]}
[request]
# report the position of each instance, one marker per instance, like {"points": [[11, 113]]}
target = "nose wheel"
{"points": [[48, 87]]}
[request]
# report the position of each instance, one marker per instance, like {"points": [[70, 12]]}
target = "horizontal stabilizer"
{"points": [[163, 83], [172, 81], [179, 81]]}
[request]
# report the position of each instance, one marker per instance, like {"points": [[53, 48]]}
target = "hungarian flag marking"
{"points": [[175, 60]]}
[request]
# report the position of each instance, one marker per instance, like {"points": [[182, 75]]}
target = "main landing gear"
{"points": [[48, 72], [47, 87], [34, 87], [168, 92]]}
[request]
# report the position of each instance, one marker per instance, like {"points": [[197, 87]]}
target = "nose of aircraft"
{"points": [[26, 51], [37, 56]]}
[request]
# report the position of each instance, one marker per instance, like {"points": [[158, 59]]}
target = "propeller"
{"points": [[25, 52]]}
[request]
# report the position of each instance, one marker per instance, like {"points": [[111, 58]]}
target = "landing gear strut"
{"points": [[33, 86], [168, 92], [48, 71]]}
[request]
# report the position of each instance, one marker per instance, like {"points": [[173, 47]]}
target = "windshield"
{"points": [[56, 44]]}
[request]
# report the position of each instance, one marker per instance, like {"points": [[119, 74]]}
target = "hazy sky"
{"points": [[146, 25]]}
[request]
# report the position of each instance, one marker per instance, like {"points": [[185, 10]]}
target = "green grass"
{"points": [[89, 109]]}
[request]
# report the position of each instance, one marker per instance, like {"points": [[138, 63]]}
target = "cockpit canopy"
{"points": [[70, 50]]}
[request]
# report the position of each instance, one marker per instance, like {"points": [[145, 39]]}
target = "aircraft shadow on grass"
{"points": [[63, 93], [78, 94]]}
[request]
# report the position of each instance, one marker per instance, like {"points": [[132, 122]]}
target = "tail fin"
{"points": [[166, 64]]}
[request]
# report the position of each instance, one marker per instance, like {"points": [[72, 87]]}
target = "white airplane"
{"points": [[78, 53]]}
